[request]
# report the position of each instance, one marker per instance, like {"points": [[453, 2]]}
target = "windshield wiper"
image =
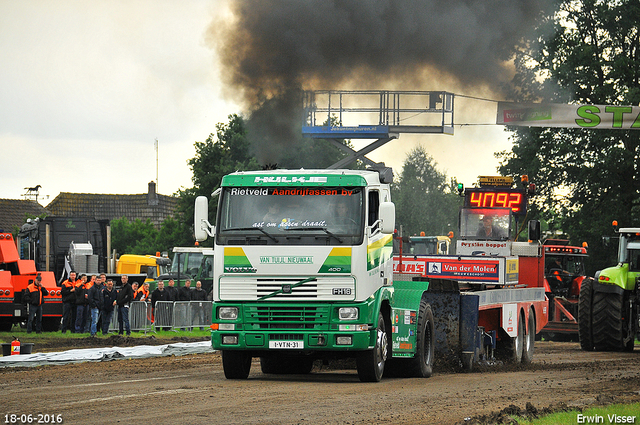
{"points": [[251, 228], [288, 288], [324, 229]]}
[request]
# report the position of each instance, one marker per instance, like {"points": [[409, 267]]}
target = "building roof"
{"points": [[13, 213], [144, 206]]}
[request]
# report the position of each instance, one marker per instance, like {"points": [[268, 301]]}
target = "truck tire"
{"points": [[370, 364], [236, 364], [421, 365], [5, 325], [509, 348], [51, 324], [608, 327], [529, 339], [585, 307]]}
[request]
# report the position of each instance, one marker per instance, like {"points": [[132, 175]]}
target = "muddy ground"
{"points": [[192, 390]]}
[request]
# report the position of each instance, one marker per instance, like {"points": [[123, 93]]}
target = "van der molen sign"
{"points": [[608, 117]]}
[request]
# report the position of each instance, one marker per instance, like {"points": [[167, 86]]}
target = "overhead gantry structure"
{"points": [[380, 115]]}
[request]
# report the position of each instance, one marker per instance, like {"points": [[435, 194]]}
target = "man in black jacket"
{"points": [[125, 296], [94, 303], [197, 308], [34, 297], [69, 302], [161, 294], [108, 299]]}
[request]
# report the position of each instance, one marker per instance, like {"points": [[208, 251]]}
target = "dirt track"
{"points": [[192, 389]]}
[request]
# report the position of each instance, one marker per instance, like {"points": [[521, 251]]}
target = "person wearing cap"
{"points": [[34, 298]]}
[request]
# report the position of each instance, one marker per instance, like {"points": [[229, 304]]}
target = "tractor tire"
{"points": [[529, 339], [585, 312], [421, 365], [236, 364], [370, 364], [607, 320]]}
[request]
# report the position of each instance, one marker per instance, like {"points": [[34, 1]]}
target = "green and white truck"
{"points": [[303, 270]]}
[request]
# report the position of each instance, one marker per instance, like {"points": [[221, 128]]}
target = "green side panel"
{"points": [[380, 256], [404, 316], [620, 276], [404, 324], [288, 179]]}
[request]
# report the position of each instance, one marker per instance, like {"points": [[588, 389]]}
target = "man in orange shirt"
{"points": [[68, 302], [35, 298]]}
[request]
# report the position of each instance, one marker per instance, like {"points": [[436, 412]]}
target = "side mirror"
{"points": [[201, 218], [534, 230], [387, 217]]}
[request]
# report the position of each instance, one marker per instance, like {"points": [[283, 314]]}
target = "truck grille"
{"points": [[249, 288], [286, 317]]}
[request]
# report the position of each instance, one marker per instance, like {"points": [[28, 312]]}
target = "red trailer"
{"points": [[15, 276]]}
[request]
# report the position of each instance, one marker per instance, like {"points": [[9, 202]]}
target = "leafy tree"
{"points": [[226, 152], [133, 237], [586, 52], [424, 200]]}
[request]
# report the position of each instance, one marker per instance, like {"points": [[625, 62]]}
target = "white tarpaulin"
{"points": [[608, 117], [103, 354]]}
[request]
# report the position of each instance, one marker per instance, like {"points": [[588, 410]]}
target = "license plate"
{"points": [[286, 344]]}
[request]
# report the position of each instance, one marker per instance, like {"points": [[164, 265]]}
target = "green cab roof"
{"points": [[296, 178]]}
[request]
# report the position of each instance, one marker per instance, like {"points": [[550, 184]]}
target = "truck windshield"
{"points": [[485, 223], [290, 216]]}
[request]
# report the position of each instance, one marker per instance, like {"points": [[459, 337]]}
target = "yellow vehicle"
{"points": [[151, 265]]}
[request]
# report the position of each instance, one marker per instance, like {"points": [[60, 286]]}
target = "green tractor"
{"points": [[609, 304]]}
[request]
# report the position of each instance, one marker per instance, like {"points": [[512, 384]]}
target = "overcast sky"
{"points": [[87, 87]]}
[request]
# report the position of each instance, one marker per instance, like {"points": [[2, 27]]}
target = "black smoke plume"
{"points": [[272, 49]]}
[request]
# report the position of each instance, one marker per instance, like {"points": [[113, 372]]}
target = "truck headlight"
{"points": [[348, 313], [228, 313]]}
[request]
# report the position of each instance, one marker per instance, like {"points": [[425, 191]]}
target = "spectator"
{"points": [[34, 297], [134, 288], [125, 296], [197, 308], [108, 297], [184, 293], [82, 303], [94, 303], [142, 294], [68, 302], [91, 280], [172, 291], [159, 294]]}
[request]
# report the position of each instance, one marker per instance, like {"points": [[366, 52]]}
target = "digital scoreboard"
{"points": [[514, 199]]}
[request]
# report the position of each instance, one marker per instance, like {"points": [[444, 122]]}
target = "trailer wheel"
{"points": [[585, 306], [370, 364], [422, 363], [529, 339], [236, 364], [510, 348], [608, 327]]}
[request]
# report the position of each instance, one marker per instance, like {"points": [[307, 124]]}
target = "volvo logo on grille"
{"points": [[341, 291], [286, 289]]}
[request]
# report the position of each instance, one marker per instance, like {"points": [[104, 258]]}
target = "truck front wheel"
{"points": [[370, 364], [236, 364]]}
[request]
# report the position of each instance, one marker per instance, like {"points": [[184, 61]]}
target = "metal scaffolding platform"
{"points": [[374, 114]]}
